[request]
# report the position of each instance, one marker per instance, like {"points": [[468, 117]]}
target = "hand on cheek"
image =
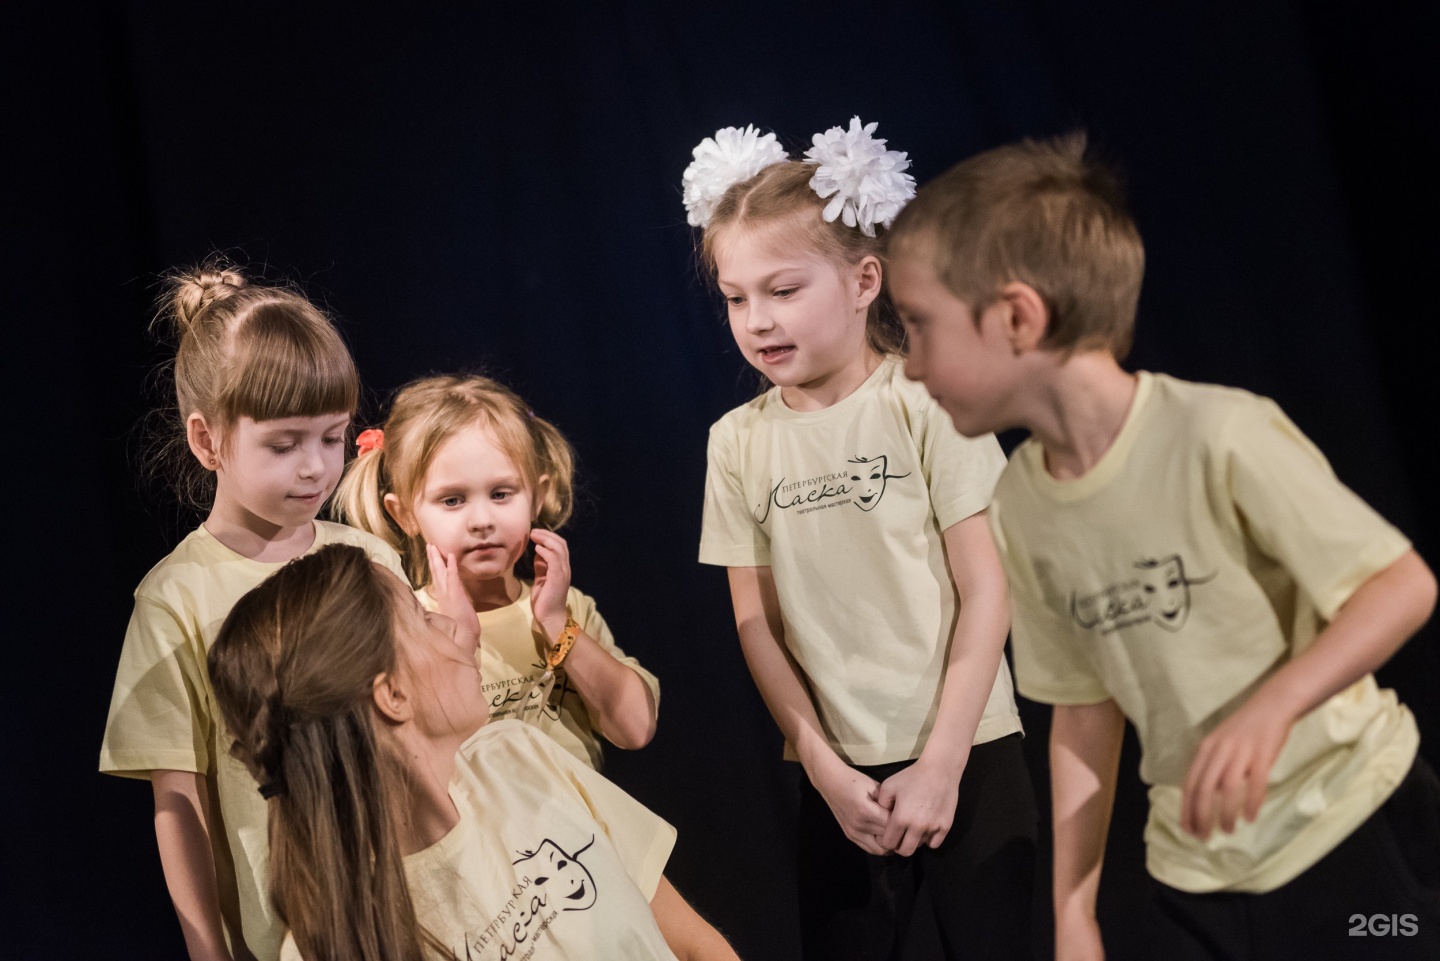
{"points": [[552, 580]]}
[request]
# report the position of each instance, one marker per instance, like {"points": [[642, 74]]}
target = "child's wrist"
{"points": [[554, 625]]}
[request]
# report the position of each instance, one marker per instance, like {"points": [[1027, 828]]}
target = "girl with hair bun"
{"points": [[405, 827], [868, 594], [265, 390], [461, 480]]}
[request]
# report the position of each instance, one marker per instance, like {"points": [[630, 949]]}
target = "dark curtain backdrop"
{"points": [[470, 186]]}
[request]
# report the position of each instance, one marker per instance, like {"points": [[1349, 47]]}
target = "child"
{"points": [[464, 476], [265, 389], [1179, 555], [868, 597], [350, 702]]}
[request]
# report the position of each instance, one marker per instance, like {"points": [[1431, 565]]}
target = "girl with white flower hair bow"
{"points": [[868, 595]]}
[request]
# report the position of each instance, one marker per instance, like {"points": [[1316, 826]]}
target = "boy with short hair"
{"points": [[1180, 555]]}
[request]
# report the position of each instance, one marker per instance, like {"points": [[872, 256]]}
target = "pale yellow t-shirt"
{"points": [[512, 658], [549, 860], [163, 714], [847, 506], [1206, 547]]}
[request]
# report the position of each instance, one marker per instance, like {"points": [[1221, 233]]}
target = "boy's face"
{"points": [[964, 366]]}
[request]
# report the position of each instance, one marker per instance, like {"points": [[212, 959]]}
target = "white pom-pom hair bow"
{"points": [[731, 156], [867, 184]]}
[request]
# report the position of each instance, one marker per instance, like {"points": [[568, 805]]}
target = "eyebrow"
{"points": [[766, 280], [337, 424]]}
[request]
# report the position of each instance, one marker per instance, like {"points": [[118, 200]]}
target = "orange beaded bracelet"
{"points": [[562, 644]]}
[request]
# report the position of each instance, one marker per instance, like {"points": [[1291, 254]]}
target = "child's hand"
{"points": [[449, 593], [552, 581], [1232, 767], [851, 797], [921, 800]]}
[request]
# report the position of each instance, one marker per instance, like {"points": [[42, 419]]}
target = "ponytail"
{"points": [[292, 669]]}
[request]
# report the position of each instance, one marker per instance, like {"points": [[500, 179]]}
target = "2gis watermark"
{"points": [[1383, 925]]}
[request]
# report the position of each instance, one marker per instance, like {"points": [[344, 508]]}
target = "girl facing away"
{"points": [[349, 701], [868, 595], [461, 480], [265, 389]]}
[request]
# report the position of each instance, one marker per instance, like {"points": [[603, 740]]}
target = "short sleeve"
{"points": [[582, 608], [1298, 513], [729, 534], [960, 471], [1050, 667], [158, 720], [642, 839]]}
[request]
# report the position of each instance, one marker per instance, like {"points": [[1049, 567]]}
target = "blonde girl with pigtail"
{"points": [[868, 595], [265, 390], [461, 480]]}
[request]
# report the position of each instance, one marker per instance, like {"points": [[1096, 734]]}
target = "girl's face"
{"points": [[279, 472], [797, 316], [440, 666], [474, 504]]}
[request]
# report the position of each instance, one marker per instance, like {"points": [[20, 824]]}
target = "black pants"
{"points": [[1376, 895], [858, 907]]}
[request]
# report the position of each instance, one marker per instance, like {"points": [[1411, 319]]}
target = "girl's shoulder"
{"points": [[331, 532], [197, 553]]}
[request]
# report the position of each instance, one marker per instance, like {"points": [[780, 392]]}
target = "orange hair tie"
{"points": [[372, 439]]}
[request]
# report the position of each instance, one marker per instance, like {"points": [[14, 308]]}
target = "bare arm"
{"points": [[850, 794], [619, 700], [1084, 754], [183, 834], [690, 936], [1232, 765], [623, 707], [922, 797]]}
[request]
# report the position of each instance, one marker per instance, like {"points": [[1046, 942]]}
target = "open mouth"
{"points": [[773, 355]]}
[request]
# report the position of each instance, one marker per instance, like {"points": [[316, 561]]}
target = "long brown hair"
{"points": [[292, 669]]}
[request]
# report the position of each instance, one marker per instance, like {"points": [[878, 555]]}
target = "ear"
{"points": [[542, 487], [869, 277], [391, 700], [401, 515], [204, 442], [1027, 319]]}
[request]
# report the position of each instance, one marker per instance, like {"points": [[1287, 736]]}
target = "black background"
{"points": [[470, 188]]}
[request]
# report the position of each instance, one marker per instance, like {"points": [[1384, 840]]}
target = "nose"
{"points": [[313, 463], [757, 318], [914, 370], [477, 518]]}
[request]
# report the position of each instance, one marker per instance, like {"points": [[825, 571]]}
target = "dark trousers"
{"points": [[1376, 895], [858, 907]]}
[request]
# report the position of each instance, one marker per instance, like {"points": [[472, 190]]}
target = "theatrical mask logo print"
{"points": [[566, 882], [863, 485], [869, 480], [1159, 595]]}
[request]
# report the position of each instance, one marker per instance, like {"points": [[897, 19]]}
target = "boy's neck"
{"points": [[831, 389], [1078, 412]]}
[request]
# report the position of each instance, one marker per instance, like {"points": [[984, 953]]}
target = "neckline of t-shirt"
{"points": [[316, 543], [493, 616], [778, 408], [1110, 463], [444, 850]]}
